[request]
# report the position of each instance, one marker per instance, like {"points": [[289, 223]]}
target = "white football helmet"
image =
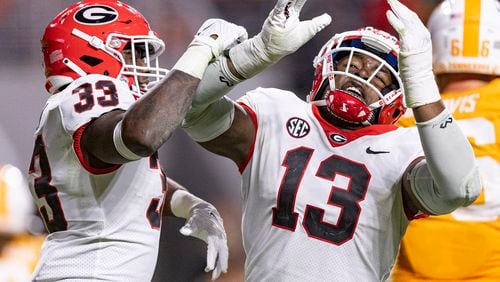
{"points": [[368, 41], [466, 37], [16, 206]]}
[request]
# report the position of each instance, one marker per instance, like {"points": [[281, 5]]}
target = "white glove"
{"points": [[415, 57], [282, 34], [213, 37], [205, 223], [227, 35]]}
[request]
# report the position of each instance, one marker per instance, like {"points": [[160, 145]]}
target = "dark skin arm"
{"points": [[146, 125]]}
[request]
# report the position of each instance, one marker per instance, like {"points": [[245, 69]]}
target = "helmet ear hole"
{"points": [[91, 61]]}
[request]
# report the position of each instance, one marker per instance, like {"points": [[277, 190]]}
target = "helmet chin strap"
{"points": [[319, 103], [92, 40]]}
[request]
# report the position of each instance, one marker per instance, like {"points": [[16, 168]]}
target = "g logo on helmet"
{"points": [[96, 15]]}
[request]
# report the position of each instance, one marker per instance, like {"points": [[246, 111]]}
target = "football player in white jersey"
{"points": [[467, 66], [330, 186], [95, 174]]}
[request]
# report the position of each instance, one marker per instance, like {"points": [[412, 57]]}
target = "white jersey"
{"points": [[321, 204], [104, 224]]}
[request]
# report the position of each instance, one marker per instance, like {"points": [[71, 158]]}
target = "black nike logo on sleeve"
{"points": [[371, 152]]}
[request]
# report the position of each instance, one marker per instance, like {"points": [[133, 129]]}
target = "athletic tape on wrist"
{"points": [[226, 71], [182, 202], [195, 60]]}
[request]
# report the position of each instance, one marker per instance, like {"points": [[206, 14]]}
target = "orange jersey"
{"points": [[18, 258], [464, 245]]}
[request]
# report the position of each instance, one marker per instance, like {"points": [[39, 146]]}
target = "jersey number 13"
{"points": [[347, 198]]}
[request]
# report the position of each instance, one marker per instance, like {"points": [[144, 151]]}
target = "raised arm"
{"points": [[118, 137], [215, 121], [448, 178]]}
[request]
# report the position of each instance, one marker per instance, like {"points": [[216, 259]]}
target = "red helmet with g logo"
{"points": [[88, 38], [349, 108]]}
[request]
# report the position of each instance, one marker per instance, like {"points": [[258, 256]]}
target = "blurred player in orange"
{"points": [[19, 249], [464, 245]]}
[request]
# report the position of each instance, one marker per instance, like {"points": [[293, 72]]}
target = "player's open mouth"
{"points": [[355, 91]]}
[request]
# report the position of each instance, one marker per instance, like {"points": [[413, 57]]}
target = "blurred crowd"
{"points": [[208, 176]]}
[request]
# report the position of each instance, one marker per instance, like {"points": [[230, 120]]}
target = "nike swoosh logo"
{"points": [[370, 151]]}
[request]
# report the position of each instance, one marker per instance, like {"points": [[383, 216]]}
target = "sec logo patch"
{"points": [[297, 127]]}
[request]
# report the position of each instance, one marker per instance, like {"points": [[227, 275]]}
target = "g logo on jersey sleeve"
{"points": [[96, 15]]}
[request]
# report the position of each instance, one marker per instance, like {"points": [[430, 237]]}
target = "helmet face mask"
{"points": [[353, 110], [143, 64], [89, 38], [465, 37]]}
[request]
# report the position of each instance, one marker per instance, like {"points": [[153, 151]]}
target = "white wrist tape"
{"points": [[224, 66], [196, 58], [449, 178], [182, 202], [216, 82], [211, 122], [249, 57], [418, 79], [120, 146]]}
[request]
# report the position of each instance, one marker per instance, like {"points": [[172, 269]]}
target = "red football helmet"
{"points": [[345, 106], [89, 37]]}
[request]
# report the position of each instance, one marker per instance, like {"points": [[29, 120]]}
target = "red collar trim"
{"points": [[249, 155]]}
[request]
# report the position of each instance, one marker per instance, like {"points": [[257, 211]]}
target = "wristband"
{"points": [[182, 202], [195, 60], [120, 146]]}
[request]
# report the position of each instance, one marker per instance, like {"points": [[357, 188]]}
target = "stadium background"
{"points": [[211, 177]]}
